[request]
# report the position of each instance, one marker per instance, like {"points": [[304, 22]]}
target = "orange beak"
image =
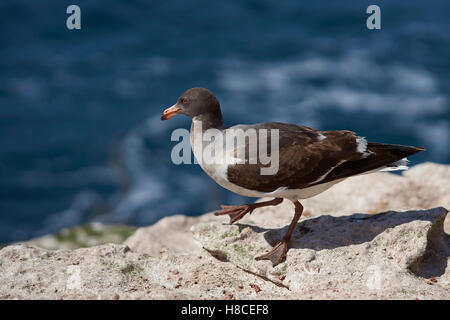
{"points": [[170, 112]]}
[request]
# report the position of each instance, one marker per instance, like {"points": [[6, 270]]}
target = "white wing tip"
{"points": [[397, 165]]}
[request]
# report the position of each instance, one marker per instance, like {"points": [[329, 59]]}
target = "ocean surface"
{"points": [[80, 132]]}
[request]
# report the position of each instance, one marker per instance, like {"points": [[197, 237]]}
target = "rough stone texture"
{"points": [[341, 249], [115, 272], [171, 233], [387, 255]]}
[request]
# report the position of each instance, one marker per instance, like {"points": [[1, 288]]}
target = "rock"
{"points": [[389, 255], [341, 249], [108, 271], [171, 233]]}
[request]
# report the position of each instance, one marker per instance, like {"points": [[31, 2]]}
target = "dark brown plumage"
{"points": [[304, 158]]}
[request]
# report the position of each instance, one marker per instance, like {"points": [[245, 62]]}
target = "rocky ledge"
{"points": [[377, 236]]}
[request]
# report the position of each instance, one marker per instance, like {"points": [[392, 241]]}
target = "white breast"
{"points": [[216, 167]]}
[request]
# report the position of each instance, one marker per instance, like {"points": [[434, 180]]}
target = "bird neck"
{"points": [[208, 121]]}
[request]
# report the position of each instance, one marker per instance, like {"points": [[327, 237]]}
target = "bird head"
{"points": [[195, 103]]}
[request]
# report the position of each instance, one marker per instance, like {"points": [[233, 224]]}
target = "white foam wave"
{"points": [[303, 91], [386, 88]]}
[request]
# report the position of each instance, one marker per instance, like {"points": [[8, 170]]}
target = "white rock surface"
{"points": [[115, 272]]}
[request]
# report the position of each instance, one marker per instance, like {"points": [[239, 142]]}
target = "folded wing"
{"points": [[309, 157]]}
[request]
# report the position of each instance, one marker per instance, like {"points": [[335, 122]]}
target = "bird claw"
{"points": [[234, 212], [277, 254]]}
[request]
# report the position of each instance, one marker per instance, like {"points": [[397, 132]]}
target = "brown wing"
{"points": [[310, 157], [305, 156]]}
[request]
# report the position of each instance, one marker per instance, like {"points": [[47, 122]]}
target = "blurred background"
{"points": [[80, 133]]}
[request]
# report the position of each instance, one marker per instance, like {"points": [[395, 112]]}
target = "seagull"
{"points": [[309, 161]]}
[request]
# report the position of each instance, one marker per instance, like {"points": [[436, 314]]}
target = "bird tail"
{"points": [[381, 157], [392, 157]]}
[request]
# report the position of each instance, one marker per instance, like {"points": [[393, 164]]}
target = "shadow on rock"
{"points": [[328, 232]]}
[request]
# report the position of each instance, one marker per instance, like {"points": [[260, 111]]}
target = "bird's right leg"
{"points": [[238, 212], [278, 253]]}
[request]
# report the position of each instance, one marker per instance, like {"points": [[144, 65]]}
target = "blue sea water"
{"points": [[80, 134]]}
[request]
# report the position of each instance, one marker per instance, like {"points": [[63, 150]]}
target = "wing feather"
{"points": [[306, 157]]}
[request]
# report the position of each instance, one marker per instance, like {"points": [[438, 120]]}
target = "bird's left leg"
{"points": [[278, 253], [238, 212]]}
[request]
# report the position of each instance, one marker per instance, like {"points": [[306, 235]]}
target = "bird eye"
{"points": [[184, 101]]}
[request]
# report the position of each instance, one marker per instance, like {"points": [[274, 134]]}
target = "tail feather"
{"points": [[395, 149], [396, 152], [385, 157]]}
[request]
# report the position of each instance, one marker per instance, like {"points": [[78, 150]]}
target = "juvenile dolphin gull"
{"points": [[310, 161]]}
